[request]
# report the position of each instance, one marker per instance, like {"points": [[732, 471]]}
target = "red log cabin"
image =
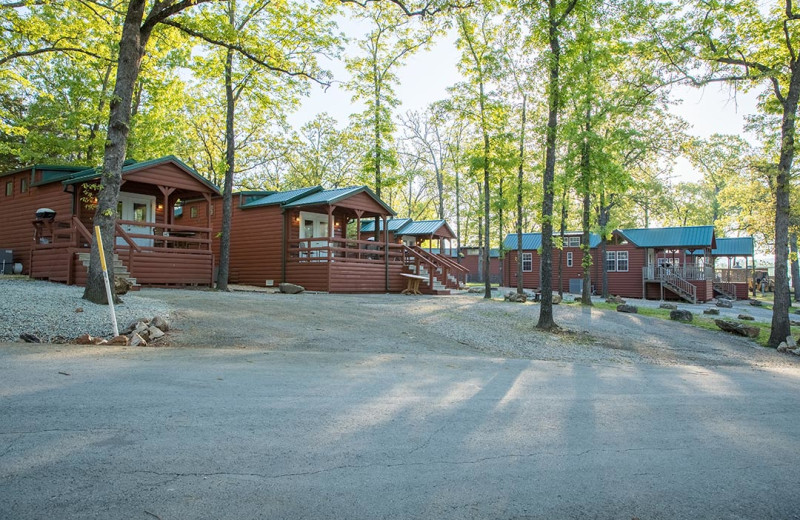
{"points": [[150, 248], [658, 263], [313, 237]]}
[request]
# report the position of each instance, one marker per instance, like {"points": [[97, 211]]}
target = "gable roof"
{"points": [[424, 227], [534, 240], [335, 195], [742, 246], [392, 224], [131, 166], [50, 172], [670, 237], [282, 197]]}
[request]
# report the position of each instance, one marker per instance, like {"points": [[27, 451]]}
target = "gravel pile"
{"points": [[48, 310]]}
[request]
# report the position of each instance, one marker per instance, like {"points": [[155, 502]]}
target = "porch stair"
{"points": [[680, 286], [119, 269], [723, 290], [437, 289]]}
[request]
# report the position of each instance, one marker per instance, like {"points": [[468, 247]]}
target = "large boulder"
{"points": [[738, 328], [670, 306], [616, 300], [722, 302], [290, 288], [746, 317], [711, 311], [631, 309], [680, 315], [513, 297], [556, 299], [756, 303], [160, 323], [121, 285]]}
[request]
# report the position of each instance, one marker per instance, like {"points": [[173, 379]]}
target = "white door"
{"points": [[139, 208], [314, 225]]}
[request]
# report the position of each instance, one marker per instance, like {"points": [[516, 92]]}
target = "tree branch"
{"points": [[429, 9], [24, 54], [249, 55], [160, 13]]}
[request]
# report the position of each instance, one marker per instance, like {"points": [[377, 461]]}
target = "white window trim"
{"points": [[570, 241], [530, 261], [569, 258], [611, 255], [620, 255]]}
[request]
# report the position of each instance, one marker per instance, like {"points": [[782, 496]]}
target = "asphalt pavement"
{"points": [[190, 433]]}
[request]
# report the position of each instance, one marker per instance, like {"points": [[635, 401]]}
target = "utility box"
{"points": [[6, 261], [576, 285]]}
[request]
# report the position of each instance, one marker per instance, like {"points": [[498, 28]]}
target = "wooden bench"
{"points": [[413, 283]]}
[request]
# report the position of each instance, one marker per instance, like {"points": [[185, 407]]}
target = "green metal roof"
{"points": [[282, 197], [392, 224], [424, 228], [334, 196], [131, 166], [51, 172], [534, 240], [671, 237], [742, 246]]}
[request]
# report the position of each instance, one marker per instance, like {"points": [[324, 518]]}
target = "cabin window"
{"points": [[622, 261], [573, 241], [669, 262], [193, 211], [527, 262], [569, 259], [611, 261], [23, 185], [9, 188]]}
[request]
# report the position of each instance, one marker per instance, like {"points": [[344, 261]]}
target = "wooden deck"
{"points": [[173, 255]]}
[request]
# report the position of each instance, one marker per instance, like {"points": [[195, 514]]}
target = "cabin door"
{"points": [[137, 208], [314, 225]]}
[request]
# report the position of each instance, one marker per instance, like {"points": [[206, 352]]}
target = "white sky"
{"points": [[427, 75]]}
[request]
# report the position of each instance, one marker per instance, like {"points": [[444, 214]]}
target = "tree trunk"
{"points": [[486, 282], [230, 162], [602, 221], [546, 321], [520, 288], [782, 299], [586, 185], [795, 266], [562, 232], [131, 50]]}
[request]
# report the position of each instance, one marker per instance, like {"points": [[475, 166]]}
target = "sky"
{"points": [[427, 75]]}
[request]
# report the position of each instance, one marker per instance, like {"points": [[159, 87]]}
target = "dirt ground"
{"points": [[458, 325]]}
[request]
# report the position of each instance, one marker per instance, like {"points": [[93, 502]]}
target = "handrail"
{"points": [[125, 236], [670, 277], [82, 229], [407, 252], [445, 265]]}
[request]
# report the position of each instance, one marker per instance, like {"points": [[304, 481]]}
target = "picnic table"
{"points": [[413, 283]]}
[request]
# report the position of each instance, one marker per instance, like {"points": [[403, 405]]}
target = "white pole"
{"points": [[105, 279]]}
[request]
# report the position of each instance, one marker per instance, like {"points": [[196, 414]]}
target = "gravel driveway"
{"points": [[461, 324]]}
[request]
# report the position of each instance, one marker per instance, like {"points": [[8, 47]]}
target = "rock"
{"points": [[119, 340], [59, 340], [756, 303], [99, 341], [680, 315], [78, 309], [154, 333], [722, 302], [632, 309], [746, 317], [160, 322], [476, 290], [84, 339], [738, 328], [782, 347], [615, 299], [140, 327], [796, 311], [556, 299], [290, 288], [670, 306], [132, 326], [790, 342], [137, 341], [711, 311], [29, 338], [121, 285], [796, 352], [794, 323], [513, 297]]}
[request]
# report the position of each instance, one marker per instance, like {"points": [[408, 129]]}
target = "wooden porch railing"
{"points": [[455, 267], [445, 267], [325, 249], [412, 257], [688, 272]]}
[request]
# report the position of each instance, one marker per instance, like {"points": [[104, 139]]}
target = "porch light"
{"points": [[159, 207]]}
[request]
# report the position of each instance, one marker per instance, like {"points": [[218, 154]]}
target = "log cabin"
{"points": [[641, 263], [472, 259], [150, 249], [314, 238]]}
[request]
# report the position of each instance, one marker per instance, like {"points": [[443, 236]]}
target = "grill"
{"points": [[45, 213]]}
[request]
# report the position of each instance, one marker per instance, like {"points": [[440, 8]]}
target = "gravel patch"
{"points": [[48, 310]]}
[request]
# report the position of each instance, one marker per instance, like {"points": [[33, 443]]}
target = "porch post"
{"points": [[359, 212], [385, 252], [167, 210], [330, 251]]}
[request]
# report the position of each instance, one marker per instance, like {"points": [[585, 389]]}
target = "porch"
{"points": [[167, 255], [688, 282], [344, 265]]}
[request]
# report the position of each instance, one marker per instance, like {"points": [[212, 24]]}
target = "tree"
{"points": [[738, 42]]}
